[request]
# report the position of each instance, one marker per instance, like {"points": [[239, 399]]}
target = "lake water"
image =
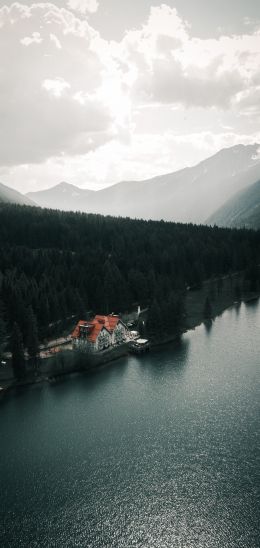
{"points": [[158, 451]]}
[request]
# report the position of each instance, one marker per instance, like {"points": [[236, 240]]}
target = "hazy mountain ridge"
{"points": [[62, 196], [191, 194], [242, 210], [9, 195]]}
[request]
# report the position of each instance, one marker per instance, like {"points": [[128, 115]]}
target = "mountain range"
{"points": [[192, 194], [222, 189]]}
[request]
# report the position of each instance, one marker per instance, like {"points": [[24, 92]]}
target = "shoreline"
{"points": [[99, 361], [245, 299]]}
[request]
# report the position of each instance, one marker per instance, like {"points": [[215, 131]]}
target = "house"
{"points": [[99, 333], [115, 326]]}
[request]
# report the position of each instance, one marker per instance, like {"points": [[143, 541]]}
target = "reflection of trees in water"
{"points": [[237, 308], [169, 359], [208, 326], [252, 304]]}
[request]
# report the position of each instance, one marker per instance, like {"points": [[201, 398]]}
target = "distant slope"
{"points": [[242, 210], [189, 195], [9, 195], [62, 196]]}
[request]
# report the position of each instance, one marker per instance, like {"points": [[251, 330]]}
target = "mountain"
{"points": [[242, 210], [189, 195], [9, 195], [62, 196]]}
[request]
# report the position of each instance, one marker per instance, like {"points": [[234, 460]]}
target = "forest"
{"points": [[57, 267]]}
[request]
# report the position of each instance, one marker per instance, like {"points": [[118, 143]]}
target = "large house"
{"points": [[99, 333]]}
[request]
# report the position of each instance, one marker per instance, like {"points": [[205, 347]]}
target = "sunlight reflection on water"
{"points": [[158, 451]]}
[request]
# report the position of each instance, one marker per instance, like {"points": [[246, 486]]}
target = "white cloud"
{"points": [[83, 6], [34, 39], [54, 39], [173, 67], [40, 117], [56, 87], [249, 103], [75, 106]]}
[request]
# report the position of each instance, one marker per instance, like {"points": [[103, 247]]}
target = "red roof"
{"points": [[76, 331], [95, 331], [110, 322], [93, 327]]}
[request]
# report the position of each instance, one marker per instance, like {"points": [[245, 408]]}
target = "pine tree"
{"points": [[253, 275], [174, 310], [154, 322], [2, 330], [238, 292], [17, 349], [79, 305], [207, 311], [19, 309], [32, 337]]}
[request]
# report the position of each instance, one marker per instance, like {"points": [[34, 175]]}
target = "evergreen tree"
{"points": [[17, 349], [238, 292], [212, 290], [80, 307], [172, 312], [138, 286], [253, 275], [175, 311], [154, 326], [220, 284], [32, 337], [207, 311], [2, 330], [114, 287], [63, 263]]}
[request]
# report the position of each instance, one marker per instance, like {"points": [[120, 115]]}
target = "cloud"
{"points": [[69, 98], [83, 6], [169, 83], [56, 87], [42, 75], [54, 38], [249, 103], [34, 39], [175, 68]]}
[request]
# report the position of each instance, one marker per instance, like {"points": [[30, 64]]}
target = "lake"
{"points": [[156, 451]]}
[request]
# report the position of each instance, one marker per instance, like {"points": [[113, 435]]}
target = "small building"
{"points": [[99, 333], [139, 345]]}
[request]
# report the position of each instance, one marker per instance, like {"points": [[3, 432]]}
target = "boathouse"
{"points": [[139, 346]]}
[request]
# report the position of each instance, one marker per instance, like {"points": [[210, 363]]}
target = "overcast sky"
{"points": [[93, 92]]}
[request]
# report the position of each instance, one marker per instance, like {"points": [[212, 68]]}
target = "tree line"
{"points": [[55, 267]]}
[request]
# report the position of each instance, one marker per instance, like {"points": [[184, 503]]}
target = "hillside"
{"points": [[242, 210], [189, 195], [9, 195]]}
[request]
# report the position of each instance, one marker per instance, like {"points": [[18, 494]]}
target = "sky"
{"points": [[94, 92]]}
